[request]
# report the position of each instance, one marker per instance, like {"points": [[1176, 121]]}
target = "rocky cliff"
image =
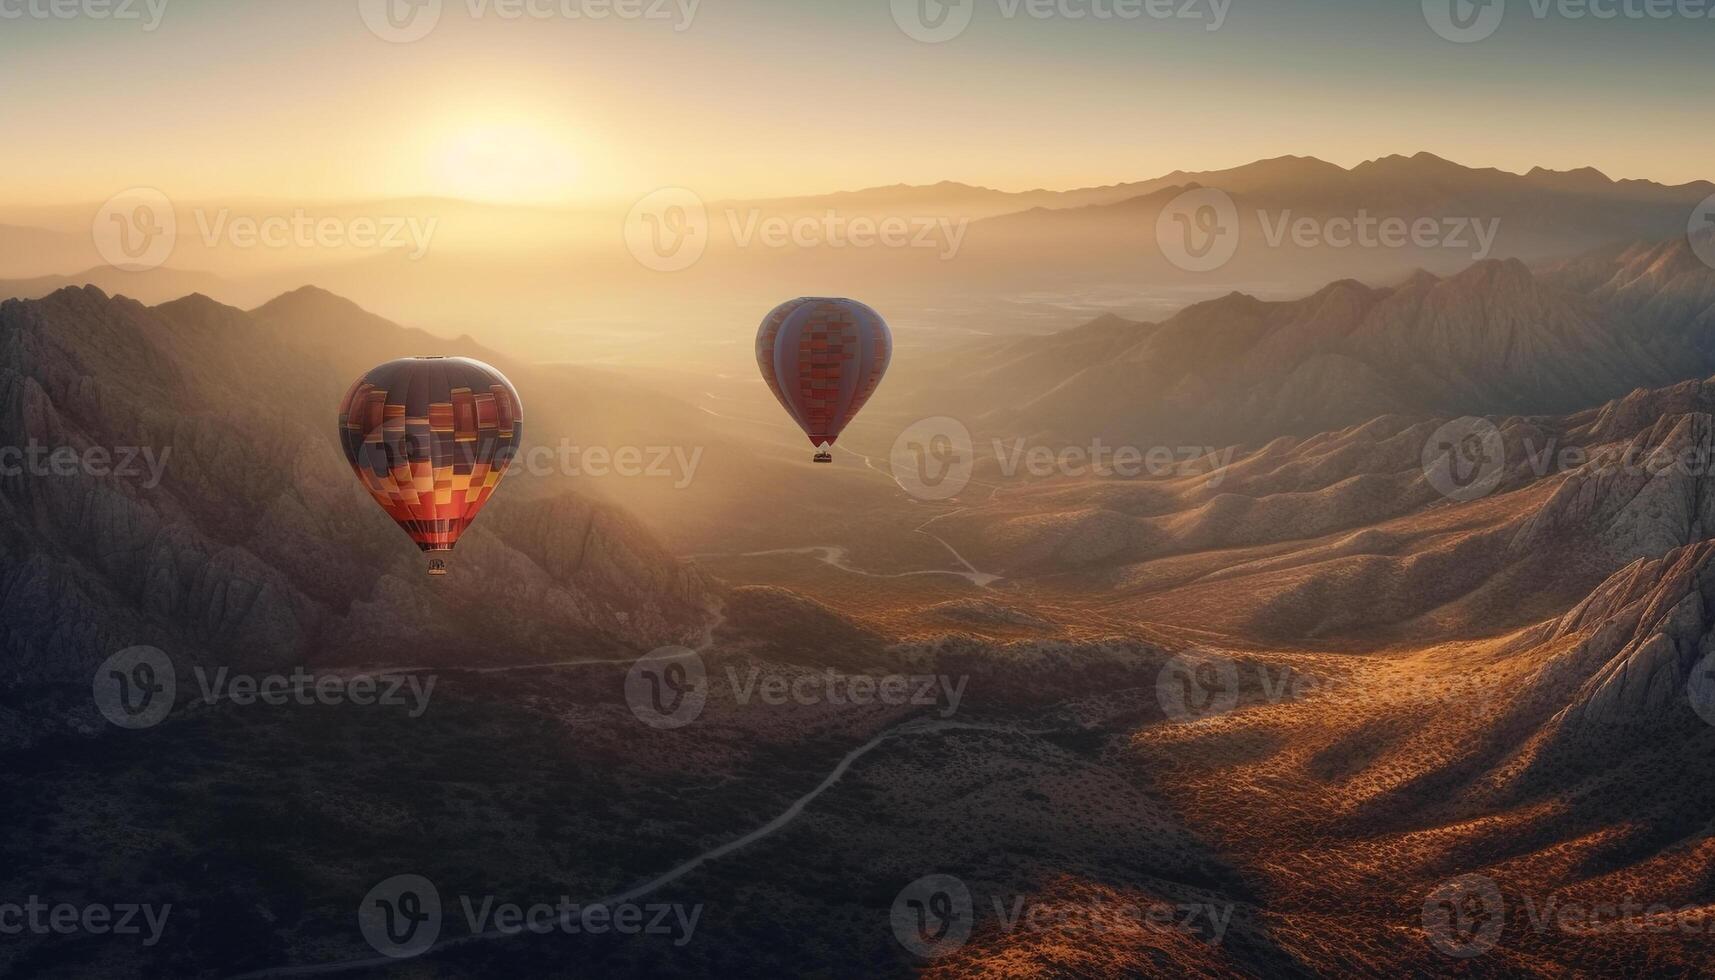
{"points": [[1640, 636]]}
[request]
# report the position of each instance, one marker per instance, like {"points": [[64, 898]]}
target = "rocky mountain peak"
{"points": [[1644, 630], [1582, 178], [1641, 495], [310, 301]]}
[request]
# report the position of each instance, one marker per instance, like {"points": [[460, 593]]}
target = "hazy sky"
{"points": [[300, 99]]}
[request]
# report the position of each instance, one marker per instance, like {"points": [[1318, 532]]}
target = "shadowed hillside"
{"points": [[249, 542]]}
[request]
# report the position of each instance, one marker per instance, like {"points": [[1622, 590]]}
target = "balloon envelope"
{"points": [[430, 438], [823, 359]]}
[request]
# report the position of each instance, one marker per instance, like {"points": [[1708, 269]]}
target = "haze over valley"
{"points": [[964, 489]]}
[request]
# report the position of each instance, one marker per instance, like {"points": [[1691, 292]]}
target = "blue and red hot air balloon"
{"points": [[430, 438], [823, 359]]}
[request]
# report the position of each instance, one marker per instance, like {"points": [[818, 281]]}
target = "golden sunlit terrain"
{"points": [[856, 488]]}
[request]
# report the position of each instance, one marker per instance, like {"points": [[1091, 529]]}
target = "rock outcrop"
{"points": [[1637, 496], [1641, 635]]}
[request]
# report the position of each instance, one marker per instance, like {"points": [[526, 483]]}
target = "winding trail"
{"points": [[981, 579], [836, 555], [912, 727], [708, 640]]}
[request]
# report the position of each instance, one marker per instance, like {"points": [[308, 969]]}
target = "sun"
{"points": [[513, 161]]}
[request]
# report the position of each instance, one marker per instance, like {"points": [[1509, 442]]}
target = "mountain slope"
{"points": [[250, 544], [1239, 370], [1344, 537], [1664, 291]]}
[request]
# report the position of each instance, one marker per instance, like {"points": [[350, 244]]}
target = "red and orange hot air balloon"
{"points": [[823, 358], [430, 438]]}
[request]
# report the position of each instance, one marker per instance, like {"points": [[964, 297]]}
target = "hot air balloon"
{"points": [[430, 438], [823, 358]]}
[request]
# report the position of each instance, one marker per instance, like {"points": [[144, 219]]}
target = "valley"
{"points": [[1181, 647]]}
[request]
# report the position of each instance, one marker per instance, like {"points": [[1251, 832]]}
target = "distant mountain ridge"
{"points": [[1493, 339], [977, 259], [1272, 174], [151, 286], [1477, 214]]}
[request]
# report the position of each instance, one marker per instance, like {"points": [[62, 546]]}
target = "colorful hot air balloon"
{"points": [[430, 437], [823, 358]]}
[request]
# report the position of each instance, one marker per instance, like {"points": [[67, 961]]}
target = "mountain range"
{"points": [[1426, 685], [977, 259], [252, 546], [1495, 338]]}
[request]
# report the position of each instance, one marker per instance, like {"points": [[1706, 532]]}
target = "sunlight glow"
{"points": [[509, 161]]}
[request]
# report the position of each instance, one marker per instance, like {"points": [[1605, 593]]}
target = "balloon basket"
{"points": [[437, 566], [823, 458]]}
